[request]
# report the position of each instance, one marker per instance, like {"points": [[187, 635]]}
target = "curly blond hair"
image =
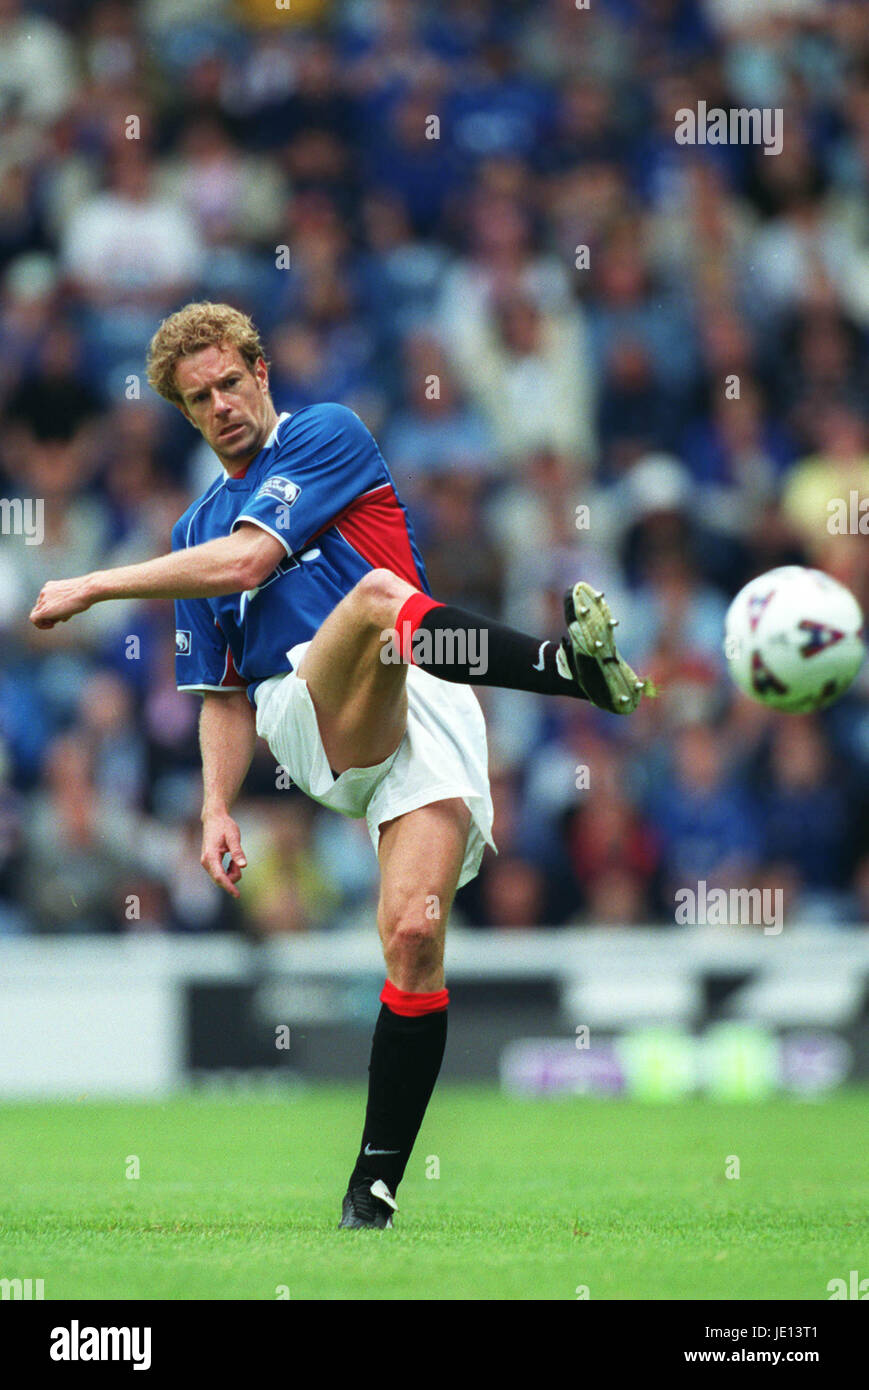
{"points": [[193, 328]]}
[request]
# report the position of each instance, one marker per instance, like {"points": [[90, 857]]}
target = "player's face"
{"points": [[227, 402]]}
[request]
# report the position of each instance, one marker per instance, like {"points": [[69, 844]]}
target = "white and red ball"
{"points": [[794, 639]]}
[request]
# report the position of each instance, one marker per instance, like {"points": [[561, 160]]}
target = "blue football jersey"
{"points": [[321, 486]]}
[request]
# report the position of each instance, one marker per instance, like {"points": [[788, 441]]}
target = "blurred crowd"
{"points": [[585, 350]]}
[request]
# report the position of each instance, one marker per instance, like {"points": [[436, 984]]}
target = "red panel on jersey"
{"points": [[375, 526], [230, 673]]}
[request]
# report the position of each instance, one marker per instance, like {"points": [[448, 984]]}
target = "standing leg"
{"points": [[421, 856]]}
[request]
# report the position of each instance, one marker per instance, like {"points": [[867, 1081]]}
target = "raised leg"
{"points": [[361, 701]]}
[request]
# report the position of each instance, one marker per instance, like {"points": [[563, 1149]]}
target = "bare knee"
{"points": [[413, 947], [380, 595]]}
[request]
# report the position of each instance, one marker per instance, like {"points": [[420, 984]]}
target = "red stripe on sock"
{"points": [[410, 1005], [409, 618]]}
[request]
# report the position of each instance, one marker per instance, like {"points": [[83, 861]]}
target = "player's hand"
{"points": [[221, 836], [61, 599]]}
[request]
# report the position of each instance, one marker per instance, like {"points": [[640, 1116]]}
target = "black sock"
{"points": [[406, 1056], [467, 649]]}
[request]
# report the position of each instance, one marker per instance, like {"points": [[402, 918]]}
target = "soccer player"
{"points": [[304, 616]]}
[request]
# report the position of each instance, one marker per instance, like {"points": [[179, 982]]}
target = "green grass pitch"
{"points": [[238, 1196]]}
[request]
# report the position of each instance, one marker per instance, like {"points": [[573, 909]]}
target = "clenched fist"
{"points": [[61, 599]]}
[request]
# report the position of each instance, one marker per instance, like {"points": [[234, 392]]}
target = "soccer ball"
{"points": [[794, 639]]}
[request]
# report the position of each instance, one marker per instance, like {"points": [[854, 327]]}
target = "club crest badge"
{"points": [[282, 489]]}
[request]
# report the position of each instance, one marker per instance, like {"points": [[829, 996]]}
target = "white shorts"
{"points": [[443, 754]]}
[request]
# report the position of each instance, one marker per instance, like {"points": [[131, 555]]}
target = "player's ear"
{"points": [[261, 372]]}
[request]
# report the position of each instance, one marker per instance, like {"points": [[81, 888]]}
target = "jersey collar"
{"points": [[284, 415]]}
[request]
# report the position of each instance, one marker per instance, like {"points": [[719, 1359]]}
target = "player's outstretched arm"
{"points": [[229, 565], [227, 738]]}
